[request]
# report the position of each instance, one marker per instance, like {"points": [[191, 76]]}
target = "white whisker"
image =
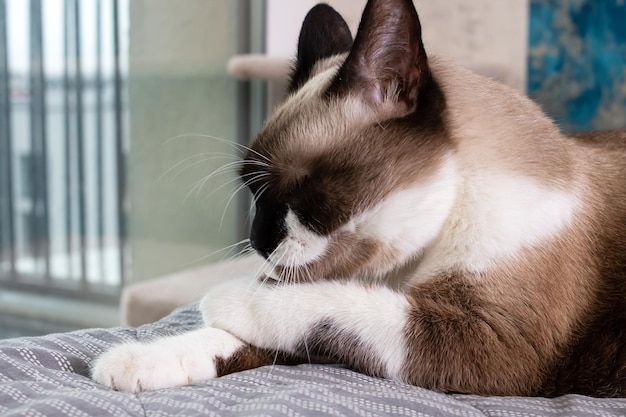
{"points": [[245, 250], [226, 248], [306, 348], [267, 277], [198, 185], [206, 156], [255, 198], [226, 141], [257, 177], [241, 187], [226, 168]]}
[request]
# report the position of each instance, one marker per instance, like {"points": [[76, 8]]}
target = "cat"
{"points": [[421, 223]]}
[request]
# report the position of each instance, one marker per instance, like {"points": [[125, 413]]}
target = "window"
{"points": [[63, 146], [105, 155]]}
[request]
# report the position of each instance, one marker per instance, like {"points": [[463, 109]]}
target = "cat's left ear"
{"points": [[387, 61], [324, 33]]}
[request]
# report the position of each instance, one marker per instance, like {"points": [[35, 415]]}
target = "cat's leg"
{"points": [[166, 362], [361, 326], [441, 334]]}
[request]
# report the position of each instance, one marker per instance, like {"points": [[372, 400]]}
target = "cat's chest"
{"points": [[493, 219]]}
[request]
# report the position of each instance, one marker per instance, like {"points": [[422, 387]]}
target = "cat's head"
{"points": [[353, 174]]}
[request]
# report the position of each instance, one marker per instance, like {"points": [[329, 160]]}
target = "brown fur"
{"points": [[328, 341], [249, 357]]}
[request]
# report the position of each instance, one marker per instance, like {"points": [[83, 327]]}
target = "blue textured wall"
{"points": [[577, 62]]}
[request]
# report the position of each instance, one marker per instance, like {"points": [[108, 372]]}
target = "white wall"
{"points": [[476, 33]]}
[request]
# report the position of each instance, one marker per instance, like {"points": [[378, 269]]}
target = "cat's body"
{"points": [[424, 224]]}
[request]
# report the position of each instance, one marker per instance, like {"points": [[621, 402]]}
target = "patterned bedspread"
{"points": [[49, 376]]}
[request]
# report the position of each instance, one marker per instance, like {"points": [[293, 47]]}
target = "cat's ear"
{"points": [[387, 61], [324, 33]]}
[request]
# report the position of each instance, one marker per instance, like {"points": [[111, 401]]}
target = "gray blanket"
{"points": [[49, 376]]}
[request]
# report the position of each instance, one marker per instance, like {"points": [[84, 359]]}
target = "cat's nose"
{"points": [[263, 250], [268, 229]]}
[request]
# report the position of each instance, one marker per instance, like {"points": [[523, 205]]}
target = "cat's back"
{"points": [[604, 146], [601, 156], [598, 360]]}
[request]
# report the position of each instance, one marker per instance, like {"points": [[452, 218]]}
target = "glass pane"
{"points": [[182, 131], [118, 125]]}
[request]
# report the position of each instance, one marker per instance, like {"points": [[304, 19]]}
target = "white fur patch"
{"points": [[408, 220], [280, 317], [496, 216], [301, 246], [166, 362]]}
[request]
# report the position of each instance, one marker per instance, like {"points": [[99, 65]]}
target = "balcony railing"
{"points": [[62, 146]]}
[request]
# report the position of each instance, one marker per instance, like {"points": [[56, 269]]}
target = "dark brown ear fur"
{"points": [[324, 33], [388, 58]]}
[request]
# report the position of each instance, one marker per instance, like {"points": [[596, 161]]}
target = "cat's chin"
{"points": [[270, 276], [279, 274], [273, 274]]}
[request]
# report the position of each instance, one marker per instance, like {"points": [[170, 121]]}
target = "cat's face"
{"points": [[353, 173]]}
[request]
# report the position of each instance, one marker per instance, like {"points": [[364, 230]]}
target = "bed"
{"points": [[49, 376]]}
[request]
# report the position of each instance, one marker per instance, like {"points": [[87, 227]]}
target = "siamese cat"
{"points": [[421, 223]]}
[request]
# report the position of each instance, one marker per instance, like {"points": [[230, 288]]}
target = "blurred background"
{"points": [[114, 114]]}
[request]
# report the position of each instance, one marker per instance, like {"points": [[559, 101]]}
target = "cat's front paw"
{"points": [[164, 363], [136, 367]]}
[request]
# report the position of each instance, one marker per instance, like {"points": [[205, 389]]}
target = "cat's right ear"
{"points": [[324, 33], [388, 63]]}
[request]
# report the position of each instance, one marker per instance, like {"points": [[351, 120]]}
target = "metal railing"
{"points": [[62, 147]]}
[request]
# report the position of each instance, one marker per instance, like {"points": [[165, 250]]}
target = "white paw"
{"points": [[164, 363]]}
